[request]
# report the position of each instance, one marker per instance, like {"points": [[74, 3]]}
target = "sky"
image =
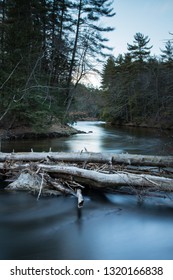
{"points": [[152, 18]]}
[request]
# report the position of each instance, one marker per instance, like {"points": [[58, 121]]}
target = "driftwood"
{"points": [[102, 180], [128, 159], [70, 173]]}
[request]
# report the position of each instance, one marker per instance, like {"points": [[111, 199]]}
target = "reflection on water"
{"points": [[120, 140], [101, 138], [108, 227]]}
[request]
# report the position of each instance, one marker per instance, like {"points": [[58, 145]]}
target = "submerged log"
{"points": [[80, 198], [26, 181], [112, 158], [33, 183], [44, 185]]}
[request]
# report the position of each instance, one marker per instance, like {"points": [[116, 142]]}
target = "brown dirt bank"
{"points": [[56, 130]]}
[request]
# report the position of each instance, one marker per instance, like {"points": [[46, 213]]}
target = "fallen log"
{"points": [[86, 157], [43, 184], [102, 180], [68, 173]]}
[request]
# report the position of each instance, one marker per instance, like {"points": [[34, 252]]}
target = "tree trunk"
{"points": [[72, 63], [99, 180], [86, 157]]}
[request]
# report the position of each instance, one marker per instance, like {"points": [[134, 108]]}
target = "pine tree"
{"points": [[139, 50], [167, 55], [108, 73]]}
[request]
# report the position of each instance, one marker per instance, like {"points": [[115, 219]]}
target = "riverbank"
{"points": [[59, 130], [56, 130], [148, 125], [163, 124]]}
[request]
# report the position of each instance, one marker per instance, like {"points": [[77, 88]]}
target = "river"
{"points": [[109, 226]]}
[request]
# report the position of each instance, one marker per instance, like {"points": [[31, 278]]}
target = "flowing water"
{"points": [[110, 226]]}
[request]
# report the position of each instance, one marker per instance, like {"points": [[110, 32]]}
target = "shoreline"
{"points": [[56, 130], [60, 130], [141, 125]]}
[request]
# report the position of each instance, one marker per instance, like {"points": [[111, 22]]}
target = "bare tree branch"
{"points": [[11, 73]]}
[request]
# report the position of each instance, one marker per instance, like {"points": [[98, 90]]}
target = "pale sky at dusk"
{"points": [[153, 18]]}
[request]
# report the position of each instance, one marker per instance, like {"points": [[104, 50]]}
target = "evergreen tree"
{"points": [[114, 90], [139, 50], [108, 73], [167, 55]]}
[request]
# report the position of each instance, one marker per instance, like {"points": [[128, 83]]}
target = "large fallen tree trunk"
{"points": [[68, 173], [102, 180], [86, 157]]}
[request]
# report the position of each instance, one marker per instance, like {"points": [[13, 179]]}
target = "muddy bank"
{"points": [[56, 130]]}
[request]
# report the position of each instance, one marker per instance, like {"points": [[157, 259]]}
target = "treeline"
{"points": [[138, 88], [87, 103], [46, 48]]}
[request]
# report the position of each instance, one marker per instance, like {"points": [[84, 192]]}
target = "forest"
{"points": [[47, 47], [137, 88]]}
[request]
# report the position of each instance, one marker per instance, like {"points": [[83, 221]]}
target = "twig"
{"points": [[154, 183], [41, 185], [75, 184], [1, 87]]}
